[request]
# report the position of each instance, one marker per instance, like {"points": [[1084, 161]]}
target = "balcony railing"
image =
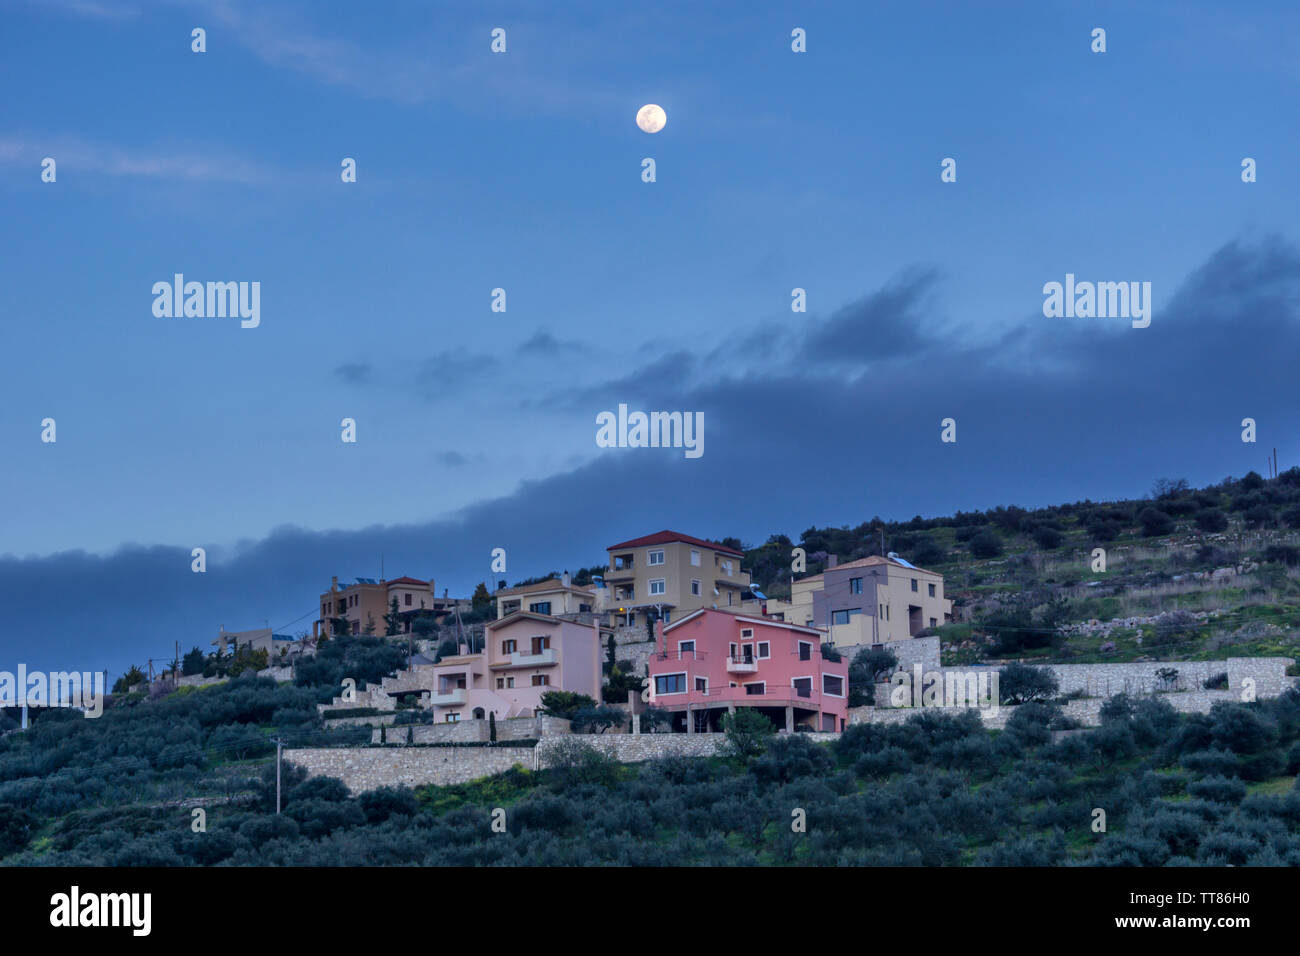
{"points": [[522, 659], [742, 665], [449, 698], [680, 656]]}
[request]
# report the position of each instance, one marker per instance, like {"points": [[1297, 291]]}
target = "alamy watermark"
{"points": [[951, 687], [54, 689], [1102, 300], [212, 300], [653, 430]]}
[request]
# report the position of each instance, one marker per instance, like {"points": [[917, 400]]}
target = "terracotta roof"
{"points": [[550, 584], [667, 537], [522, 616], [416, 581]]}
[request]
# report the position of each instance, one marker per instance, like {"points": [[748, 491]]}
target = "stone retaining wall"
{"points": [[365, 768], [476, 731]]}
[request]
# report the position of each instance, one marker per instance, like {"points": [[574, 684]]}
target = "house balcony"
{"points": [[742, 665], [620, 574], [520, 659], [454, 697]]}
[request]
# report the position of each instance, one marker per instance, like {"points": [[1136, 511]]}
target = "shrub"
{"points": [[577, 762], [565, 703], [986, 544], [867, 666], [1282, 554], [1020, 684], [748, 732], [1047, 538], [1217, 789], [1212, 519], [597, 720], [378, 805], [1155, 522]]}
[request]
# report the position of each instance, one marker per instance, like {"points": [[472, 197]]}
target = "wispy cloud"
{"points": [[79, 156]]}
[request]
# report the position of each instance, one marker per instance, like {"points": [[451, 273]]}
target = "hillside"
{"points": [[1189, 573], [938, 790]]}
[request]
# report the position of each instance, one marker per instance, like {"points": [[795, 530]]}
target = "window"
{"points": [[931, 590], [702, 685], [726, 568], [803, 686], [510, 646], [805, 651], [695, 559], [695, 586], [541, 607], [670, 684], [855, 585], [540, 644], [731, 651], [657, 586], [933, 622], [842, 617], [746, 632], [754, 690], [453, 718], [408, 600], [501, 683], [833, 684], [685, 648], [914, 586], [541, 680], [510, 682], [656, 557], [764, 650], [748, 651], [584, 608]]}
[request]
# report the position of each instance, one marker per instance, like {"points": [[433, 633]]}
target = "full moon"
{"points": [[651, 118]]}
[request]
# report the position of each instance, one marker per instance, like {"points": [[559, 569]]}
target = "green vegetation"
{"points": [[1208, 789]]}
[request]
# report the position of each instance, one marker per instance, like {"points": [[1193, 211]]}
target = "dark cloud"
{"points": [[887, 324], [544, 343], [1055, 410], [439, 375], [355, 373]]}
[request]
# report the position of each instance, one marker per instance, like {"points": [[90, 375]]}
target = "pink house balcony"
{"points": [[742, 665], [775, 696]]}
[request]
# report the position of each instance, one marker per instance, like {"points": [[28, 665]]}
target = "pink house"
{"points": [[711, 662], [526, 655]]}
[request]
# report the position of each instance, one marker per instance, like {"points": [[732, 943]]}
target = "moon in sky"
{"points": [[651, 118]]}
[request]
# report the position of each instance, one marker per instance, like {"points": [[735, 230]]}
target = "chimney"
{"points": [[567, 579], [831, 561], [334, 583], [659, 636]]}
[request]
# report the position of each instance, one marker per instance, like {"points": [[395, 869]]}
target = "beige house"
{"points": [[869, 601], [668, 575], [525, 656], [555, 596], [364, 603]]}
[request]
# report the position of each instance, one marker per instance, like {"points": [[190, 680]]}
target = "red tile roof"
{"points": [[666, 537], [416, 581]]}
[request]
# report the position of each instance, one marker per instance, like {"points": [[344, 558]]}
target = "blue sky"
{"points": [[522, 171]]}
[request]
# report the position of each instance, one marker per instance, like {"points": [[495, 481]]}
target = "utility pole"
{"points": [[278, 745]]}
